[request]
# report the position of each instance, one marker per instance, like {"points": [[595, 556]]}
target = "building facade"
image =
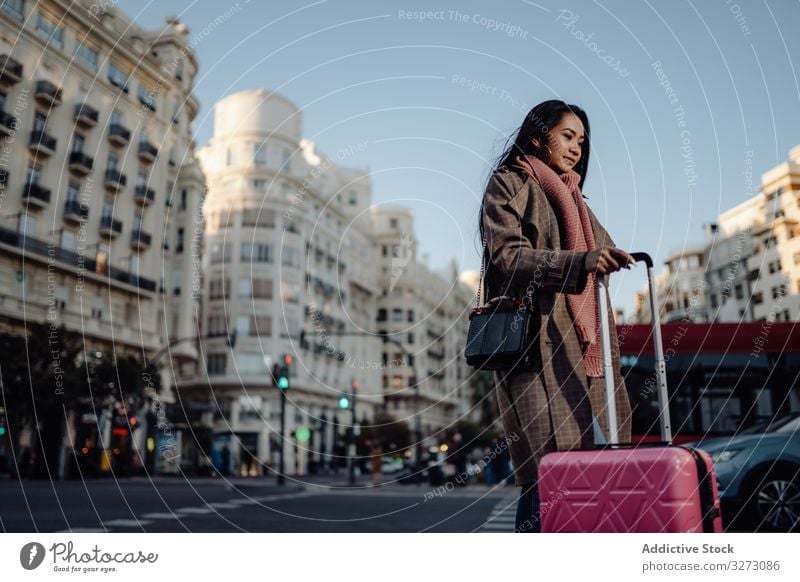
{"points": [[97, 175], [297, 263], [750, 262]]}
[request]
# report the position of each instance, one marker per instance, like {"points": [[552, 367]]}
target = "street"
{"points": [[173, 504]]}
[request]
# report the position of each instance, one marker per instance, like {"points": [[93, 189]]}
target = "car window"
{"points": [[785, 423], [791, 426]]}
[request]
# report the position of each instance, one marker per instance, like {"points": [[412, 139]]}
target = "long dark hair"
{"points": [[537, 125]]}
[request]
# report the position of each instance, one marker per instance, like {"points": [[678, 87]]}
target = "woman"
{"points": [[542, 239]]}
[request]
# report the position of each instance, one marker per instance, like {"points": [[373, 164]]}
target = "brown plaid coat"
{"points": [[546, 404]]}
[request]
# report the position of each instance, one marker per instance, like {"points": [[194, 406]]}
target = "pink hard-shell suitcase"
{"points": [[626, 487]]}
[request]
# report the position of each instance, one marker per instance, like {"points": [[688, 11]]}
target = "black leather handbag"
{"points": [[501, 332]]}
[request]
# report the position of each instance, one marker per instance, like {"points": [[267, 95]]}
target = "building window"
{"points": [[382, 314], [219, 288], [73, 192], [179, 241], [184, 194], [216, 364], [353, 198], [739, 292], [256, 253], [177, 277], [258, 217], [34, 172], [244, 288], [117, 77], [15, 8], [39, 122], [397, 314], [51, 32], [411, 315], [290, 257], [147, 98], [262, 288], [87, 56], [259, 154], [217, 325], [260, 326], [220, 253], [142, 177], [78, 142]]}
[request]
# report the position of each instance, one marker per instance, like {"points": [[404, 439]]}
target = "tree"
{"points": [[45, 374], [391, 435]]}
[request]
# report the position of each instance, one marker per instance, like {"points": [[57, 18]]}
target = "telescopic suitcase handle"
{"points": [[661, 369]]}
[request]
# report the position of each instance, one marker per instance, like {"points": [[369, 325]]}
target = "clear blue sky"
{"points": [[364, 72]]}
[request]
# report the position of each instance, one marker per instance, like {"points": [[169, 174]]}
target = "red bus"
{"points": [[721, 377]]}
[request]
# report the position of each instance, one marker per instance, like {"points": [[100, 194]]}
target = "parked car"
{"points": [[758, 471], [391, 465]]}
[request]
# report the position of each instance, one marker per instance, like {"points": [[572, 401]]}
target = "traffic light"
{"points": [[280, 376], [344, 401]]}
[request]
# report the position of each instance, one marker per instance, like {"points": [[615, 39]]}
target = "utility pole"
{"points": [[353, 434], [280, 378]]}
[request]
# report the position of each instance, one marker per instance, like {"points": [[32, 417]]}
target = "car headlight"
{"points": [[724, 456]]}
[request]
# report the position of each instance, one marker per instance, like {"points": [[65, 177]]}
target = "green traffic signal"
{"points": [[283, 382], [344, 402], [2, 431]]}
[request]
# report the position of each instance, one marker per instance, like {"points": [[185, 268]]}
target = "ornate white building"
{"points": [[298, 262]]}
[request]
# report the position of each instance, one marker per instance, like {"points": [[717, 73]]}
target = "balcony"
{"points": [[48, 93], [10, 70], [46, 252], [119, 135], [144, 195], [147, 151], [8, 123], [75, 212], [85, 115], [148, 101], [42, 143], [80, 163], [114, 180], [140, 239], [110, 226], [36, 195]]}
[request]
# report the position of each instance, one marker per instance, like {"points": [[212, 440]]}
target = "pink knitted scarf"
{"points": [[565, 196]]}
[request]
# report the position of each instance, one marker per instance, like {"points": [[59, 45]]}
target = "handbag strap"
{"points": [[484, 263], [483, 271]]}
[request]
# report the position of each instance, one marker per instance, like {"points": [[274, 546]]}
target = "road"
{"points": [[173, 504]]}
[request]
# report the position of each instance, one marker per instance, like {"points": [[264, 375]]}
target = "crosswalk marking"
{"points": [[163, 515], [127, 522], [503, 516]]}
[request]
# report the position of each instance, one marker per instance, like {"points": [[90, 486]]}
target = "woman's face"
{"points": [[564, 141]]}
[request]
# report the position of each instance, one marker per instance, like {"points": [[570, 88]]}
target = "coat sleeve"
{"points": [[513, 253]]}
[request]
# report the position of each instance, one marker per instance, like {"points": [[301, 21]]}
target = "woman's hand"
{"points": [[607, 260]]}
